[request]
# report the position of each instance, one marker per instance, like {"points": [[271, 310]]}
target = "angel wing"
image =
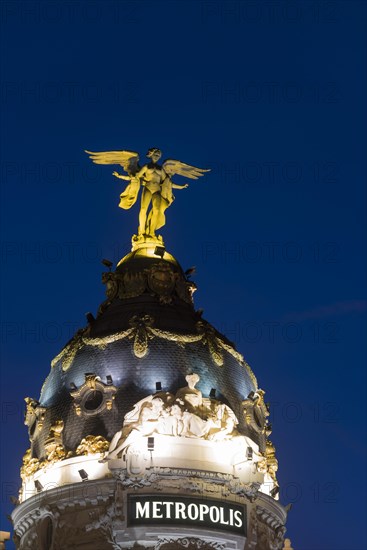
{"points": [[172, 167], [129, 160]]}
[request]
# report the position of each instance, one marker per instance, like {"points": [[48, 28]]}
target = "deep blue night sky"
{"points": [[271, 96]]}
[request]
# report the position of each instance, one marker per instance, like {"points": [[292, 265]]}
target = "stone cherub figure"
{"points": [[156, 181]]}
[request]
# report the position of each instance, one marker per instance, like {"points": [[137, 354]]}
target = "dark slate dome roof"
{"points": [[146, 332]]}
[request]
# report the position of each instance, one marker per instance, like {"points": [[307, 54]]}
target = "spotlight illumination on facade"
{"points": [[249, 453], [83, 474], [38, 485], [159, 251]]}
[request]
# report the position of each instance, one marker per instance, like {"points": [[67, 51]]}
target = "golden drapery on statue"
{"points": [[155, 181]]}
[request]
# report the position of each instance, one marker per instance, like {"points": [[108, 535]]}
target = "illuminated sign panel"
{"points": [[194, 512]]}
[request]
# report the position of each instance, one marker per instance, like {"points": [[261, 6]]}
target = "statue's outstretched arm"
{"points": [[121, 176], [139, 175], [175, 186]]}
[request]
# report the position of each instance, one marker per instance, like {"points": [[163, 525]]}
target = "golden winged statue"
{"points": [[155, 180]]}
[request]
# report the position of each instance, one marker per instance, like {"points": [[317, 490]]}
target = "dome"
{"points": [[150, 431], [145, 338]]}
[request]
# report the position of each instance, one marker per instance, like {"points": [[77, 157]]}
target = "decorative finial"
{"points": [[157, 186]]}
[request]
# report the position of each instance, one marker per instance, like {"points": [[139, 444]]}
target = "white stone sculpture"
{"points": [[186, 414]]}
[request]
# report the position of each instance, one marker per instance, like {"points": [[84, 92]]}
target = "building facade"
{"points": [[150, 430]]}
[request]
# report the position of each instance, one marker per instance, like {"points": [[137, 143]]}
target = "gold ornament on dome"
{"points": [[56, 430], [92, 444], [94, 396], [271, 461], [156, 183], [55, 453], [54, 447], [269, 464], [68, 353], [160, 279], [256, 412], [34, 416], [30, 413], [30, 465], [210, 338], [141, 331], [140, 334]]}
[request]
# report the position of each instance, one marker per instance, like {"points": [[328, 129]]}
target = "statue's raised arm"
{"points": [[156, 183]]}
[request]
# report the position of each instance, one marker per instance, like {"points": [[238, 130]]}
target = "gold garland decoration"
{"points": [[90, 444], [141, 331]]}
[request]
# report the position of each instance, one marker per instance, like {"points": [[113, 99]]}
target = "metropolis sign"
{"points": [[193, 512]]}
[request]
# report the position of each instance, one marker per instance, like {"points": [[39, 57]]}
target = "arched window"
{"points": [[45, 532]]}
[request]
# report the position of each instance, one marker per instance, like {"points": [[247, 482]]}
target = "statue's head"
{"points": [[192, 379], [154, 154], [157, 404], [176, 410]]}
